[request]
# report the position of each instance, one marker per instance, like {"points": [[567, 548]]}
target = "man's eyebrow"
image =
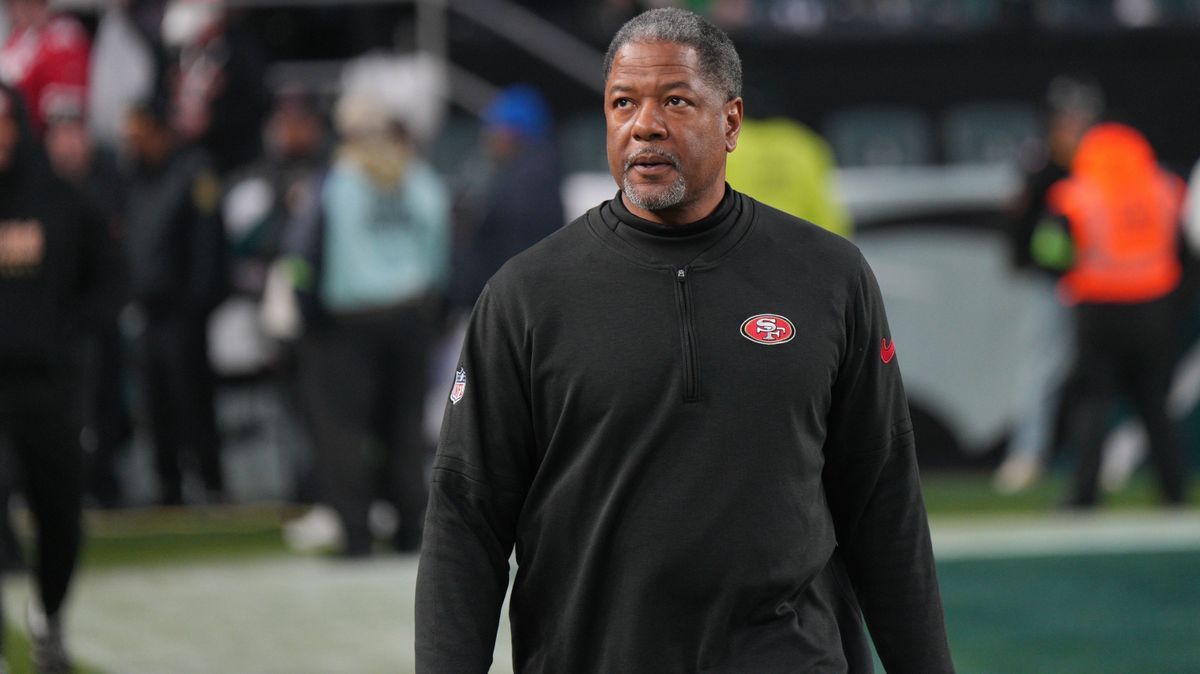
{"points": [[678, 84]]}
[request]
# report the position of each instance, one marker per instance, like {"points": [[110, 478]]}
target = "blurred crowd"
{"points": [[875, 16], [168, 227]]}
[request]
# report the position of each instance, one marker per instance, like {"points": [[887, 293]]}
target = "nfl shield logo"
{"points": [[460, 386]]}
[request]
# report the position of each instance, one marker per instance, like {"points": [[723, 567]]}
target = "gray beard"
{"points": [[660, 200]]}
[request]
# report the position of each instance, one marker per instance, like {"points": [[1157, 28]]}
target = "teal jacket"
{"points": [[383, 247]]}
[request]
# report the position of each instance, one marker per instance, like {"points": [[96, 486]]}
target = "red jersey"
{"points": [[48, 63]]}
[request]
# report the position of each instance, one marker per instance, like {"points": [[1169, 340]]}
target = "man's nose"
{"points": [[648, 124]]}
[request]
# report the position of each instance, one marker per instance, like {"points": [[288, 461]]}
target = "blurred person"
{"points": [[265, 196], [261, 208], [691, 481], [94, 172], [216, 82], [177, 265], [385, 257], [1074, 104], [125, 65], [46, 58], [522, 200], [1122, 215], [52, 247], [788, 166]]}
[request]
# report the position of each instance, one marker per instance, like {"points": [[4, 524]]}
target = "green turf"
{"points": [[156, 536], [1089, 613], [16, 649], [174, 536], [972, 494]]}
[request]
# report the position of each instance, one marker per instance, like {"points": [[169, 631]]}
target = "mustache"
{"points": [[651, 151]]}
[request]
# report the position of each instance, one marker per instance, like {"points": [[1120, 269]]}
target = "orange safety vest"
{"points": [[1123, 212]]}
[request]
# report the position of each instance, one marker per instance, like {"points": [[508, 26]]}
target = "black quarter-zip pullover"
{"points": [[702, 456]]}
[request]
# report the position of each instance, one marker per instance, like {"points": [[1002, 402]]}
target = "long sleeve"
{"points": [[874, 494], [482, 471]]}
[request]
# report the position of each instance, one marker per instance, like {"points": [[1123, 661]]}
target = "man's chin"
{"points": [[656, 196]]}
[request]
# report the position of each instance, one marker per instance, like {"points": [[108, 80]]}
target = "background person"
{"points": [[385, 256], [1123, 214], [52, 249], [177, 262]]}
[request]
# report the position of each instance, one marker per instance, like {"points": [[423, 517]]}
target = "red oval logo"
{"points": [[768, 329]]}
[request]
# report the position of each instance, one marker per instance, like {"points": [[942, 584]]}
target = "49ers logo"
{"points": [[768, 329]]}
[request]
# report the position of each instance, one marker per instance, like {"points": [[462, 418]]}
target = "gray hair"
{"points": [[720, 65]]}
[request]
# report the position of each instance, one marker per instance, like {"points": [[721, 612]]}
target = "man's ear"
{"points": [[733, 113]]}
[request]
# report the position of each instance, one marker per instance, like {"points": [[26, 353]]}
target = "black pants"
{"points": [[372, 373], [106, 414], [38, 421], [1124, 351], [178, 385]]}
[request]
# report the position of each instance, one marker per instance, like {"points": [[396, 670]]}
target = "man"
{"points": [[1073, 106], [51, 271], [684, 409], [519, 204], [93, 170], [1123, 213], [218, 100], [176, 263]]}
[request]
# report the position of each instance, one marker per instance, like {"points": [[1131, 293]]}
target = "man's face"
{"points": [[668, 128], [144, 139], [294, 133], [70, 149]]}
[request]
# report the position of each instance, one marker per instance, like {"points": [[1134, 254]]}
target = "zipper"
{"points": [[687, 336]]}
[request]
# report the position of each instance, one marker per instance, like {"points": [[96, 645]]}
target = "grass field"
{"points": [[1127, 604]]}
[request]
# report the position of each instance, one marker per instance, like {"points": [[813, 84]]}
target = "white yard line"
{"points": [[984, 537], [313, 616]]}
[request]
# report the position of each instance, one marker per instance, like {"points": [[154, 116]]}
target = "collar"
{"points": [[697, 244]]}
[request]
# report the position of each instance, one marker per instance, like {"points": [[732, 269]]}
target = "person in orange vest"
{"points": [[1122, 215]]}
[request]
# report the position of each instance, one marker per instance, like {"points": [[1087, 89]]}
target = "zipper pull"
{"points": [[681, 275]]}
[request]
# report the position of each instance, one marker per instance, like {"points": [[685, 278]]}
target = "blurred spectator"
{"points": [[260, 210], [177, 268], [1123, 214], [124, 70], [264, 197], [1073, 104], [218, 97], [521, 200], [787, 166], [51, 256], [384, 266], [93, 171], [46, 58]]}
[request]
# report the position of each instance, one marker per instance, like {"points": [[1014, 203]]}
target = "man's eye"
{"points": [[675, 100], [621, 103]]}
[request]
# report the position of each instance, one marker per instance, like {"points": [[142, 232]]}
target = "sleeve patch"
{"points": [[460, 386]]}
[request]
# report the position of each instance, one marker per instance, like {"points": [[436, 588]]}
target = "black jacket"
{"points": [[175, 243], [688, 489], [45, 303]]}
